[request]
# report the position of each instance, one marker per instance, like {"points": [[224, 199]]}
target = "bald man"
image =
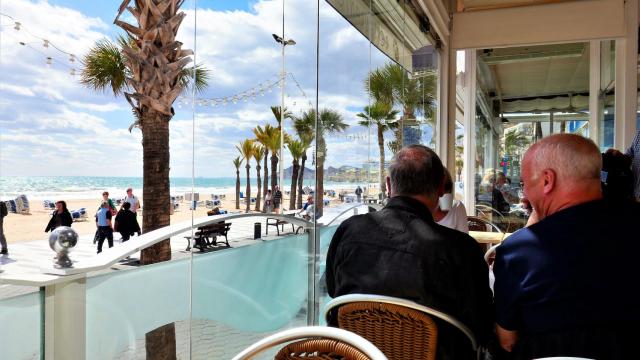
{"points": [[401, 251], [568, 285]]}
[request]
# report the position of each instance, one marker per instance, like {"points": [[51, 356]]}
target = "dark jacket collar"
{"points": [[411, 205]]}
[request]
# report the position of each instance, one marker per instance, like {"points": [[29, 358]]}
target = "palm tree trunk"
{"points": [[383, 182], [266, 173], [248, 194], [237, 189], [319, 186], [321, 153], [274, 173], [301, 180], [259, 192], [294, 183], [155, 190]]}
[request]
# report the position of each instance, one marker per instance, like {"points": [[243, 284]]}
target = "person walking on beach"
{"points": [[359, 193], [126, 222], [277, 199], [103, 223], [268, 202], [3, 240], [133, 200], [60, 217], [112, 206]]}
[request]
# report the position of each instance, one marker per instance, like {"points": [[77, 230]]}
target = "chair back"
{"points": [[315, 342], [320, 349], [479, 224], [400, 328]]}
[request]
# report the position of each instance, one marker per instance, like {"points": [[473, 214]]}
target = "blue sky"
{"points": [[51, 125]]}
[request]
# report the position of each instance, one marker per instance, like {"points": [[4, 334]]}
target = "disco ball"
{"points": [[62, 240]]}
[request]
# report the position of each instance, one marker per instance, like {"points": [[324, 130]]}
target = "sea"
{"points": [[91, 187]]}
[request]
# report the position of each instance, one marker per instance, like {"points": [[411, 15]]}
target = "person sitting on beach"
{"points": [[308, 209], [126, 222], [133, 200], [451, 213], [103, 223], [60, 217], [112, 206], [277, 199]]}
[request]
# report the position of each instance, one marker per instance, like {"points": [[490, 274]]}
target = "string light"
{"points": [[46, 43]]}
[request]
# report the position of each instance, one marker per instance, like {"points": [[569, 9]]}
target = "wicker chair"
{"points": [[402, 329], [318, 342]]}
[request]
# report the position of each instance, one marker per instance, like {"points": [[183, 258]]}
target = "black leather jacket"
{"points": [[400, 251], [57, 220]]}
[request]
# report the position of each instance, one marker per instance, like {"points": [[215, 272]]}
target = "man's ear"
{"points": [[388, 186], [549, 180]]}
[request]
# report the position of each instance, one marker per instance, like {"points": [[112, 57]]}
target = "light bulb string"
{"points": [[46, 42], [47, 56]]}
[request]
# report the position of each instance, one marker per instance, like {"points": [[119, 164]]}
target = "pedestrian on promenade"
{"points": [[133, 200], [3, 240], [268, 202], [126, 222], [277, 199], [103, 223], [60, 217], [112, 206], [359, 193]]}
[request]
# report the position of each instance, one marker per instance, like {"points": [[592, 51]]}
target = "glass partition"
{"points": [[22, 322], [524, 94]]}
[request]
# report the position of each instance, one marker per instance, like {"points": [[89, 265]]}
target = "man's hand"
{"points": [[507, 338]]}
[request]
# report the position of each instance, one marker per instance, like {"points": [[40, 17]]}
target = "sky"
{"points": [[50, 124]]}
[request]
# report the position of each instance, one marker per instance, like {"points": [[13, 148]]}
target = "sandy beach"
{"points": [[31, 227]]}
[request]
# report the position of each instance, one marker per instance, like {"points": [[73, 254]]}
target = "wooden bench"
{"points": [[207, 235], [276, 222]]}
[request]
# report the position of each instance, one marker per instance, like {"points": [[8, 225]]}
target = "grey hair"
{"points": [[416, 170], [571, 157]]}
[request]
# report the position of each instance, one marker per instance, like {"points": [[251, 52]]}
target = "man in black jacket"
{"points": [[126, 222], [400, 251]]}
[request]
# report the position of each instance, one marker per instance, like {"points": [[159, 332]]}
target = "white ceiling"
{"points": [[534, 71]]}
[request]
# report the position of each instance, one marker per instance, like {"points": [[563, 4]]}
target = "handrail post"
{"points": [[65, 320], [313, 301]]}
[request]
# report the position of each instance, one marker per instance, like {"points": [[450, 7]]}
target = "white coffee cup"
{"points": [[445, 202]]}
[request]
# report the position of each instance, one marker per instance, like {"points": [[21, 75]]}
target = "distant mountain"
{"points": [[308, 173]]}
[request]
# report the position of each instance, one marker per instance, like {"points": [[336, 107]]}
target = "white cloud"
{"points": [[51, 110]]}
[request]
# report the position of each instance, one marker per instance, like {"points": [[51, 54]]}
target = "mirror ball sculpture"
{"points": [[62, 240]]}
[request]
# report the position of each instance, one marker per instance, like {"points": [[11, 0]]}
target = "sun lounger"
{"points": [[22, 205], [49, 205], [79, 214]]}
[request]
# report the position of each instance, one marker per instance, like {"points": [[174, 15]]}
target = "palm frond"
{"points": [[200, 81], [105, 68]]}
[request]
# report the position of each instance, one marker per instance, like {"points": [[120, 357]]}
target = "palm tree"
{"points": [[272, 143], [246, 149], [237, 162], [148, 67], [261, 136], [297, 148], [304, 127], [276, 113], [258, 153], [329, 122], [514, 141], [393, 86], [384, 118]]}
